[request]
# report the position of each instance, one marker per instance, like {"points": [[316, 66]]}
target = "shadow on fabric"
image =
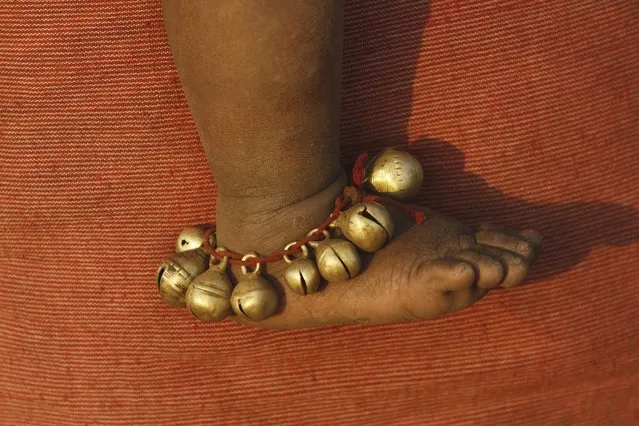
{"points": [[381, 46], [570, 230]]}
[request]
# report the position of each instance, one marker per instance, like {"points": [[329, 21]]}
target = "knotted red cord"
{"points": [[359, 170], [350, 195], [359, 175]]}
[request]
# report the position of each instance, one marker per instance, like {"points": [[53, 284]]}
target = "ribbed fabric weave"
{"points": [[522, 113]]}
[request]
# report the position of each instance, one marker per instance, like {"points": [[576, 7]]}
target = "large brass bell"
{"points": [[301, 275], [176, 273], [254, 297], [368, 225], [208, 296], [394, 173], [337, 259], [192, 237]]}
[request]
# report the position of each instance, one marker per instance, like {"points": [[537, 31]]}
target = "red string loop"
{"points": [[359, 170], [350, 195]]}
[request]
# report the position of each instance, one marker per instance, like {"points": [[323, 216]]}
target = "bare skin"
{"points": [[262, 80]]}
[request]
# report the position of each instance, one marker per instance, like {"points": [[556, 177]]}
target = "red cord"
{"points": [[418, 216], [350, 195], [359, 170], [236, 258]]}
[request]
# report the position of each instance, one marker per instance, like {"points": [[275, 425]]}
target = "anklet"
{"points": [[195, 276]]}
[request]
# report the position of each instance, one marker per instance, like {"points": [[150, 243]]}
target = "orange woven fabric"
{"points": [[523, 113]]}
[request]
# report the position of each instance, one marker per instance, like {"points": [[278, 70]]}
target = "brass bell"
{"points": [[192, 237], [368, 225], [176, 273], [337, 259], [394, 173], [301, 275], [254, 297], [208, 296]]}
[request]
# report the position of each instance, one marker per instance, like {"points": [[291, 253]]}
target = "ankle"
{"points": [[263, 225]]}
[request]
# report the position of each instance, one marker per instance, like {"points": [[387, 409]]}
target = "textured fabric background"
{"points": [[523, 113]]}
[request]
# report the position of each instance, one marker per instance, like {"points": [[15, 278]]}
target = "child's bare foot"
{"points": [[425, 271], [264, 87]]}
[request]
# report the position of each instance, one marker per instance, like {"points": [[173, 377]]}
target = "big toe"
{"points": [[439, 287], [446, 275]]}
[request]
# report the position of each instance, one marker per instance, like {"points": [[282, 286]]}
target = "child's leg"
{"points": [[262, 80]]}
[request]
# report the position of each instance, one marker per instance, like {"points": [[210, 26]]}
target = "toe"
{"points": [[514, 243], [439, 287], [535, 239], [449, 275], [515, 266], [489, 272]]}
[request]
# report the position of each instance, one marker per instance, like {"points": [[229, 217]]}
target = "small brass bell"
{"points": [[254, 297], [301, 275], [394, 173], [368, 225], [208, 296], [176, 273], [337, 259], [192, 237]]}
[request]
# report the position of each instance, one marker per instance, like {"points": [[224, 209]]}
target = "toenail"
{"points": [[463, 269], [516, 261], [524, 247], [495, 273], [466, 241]]}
